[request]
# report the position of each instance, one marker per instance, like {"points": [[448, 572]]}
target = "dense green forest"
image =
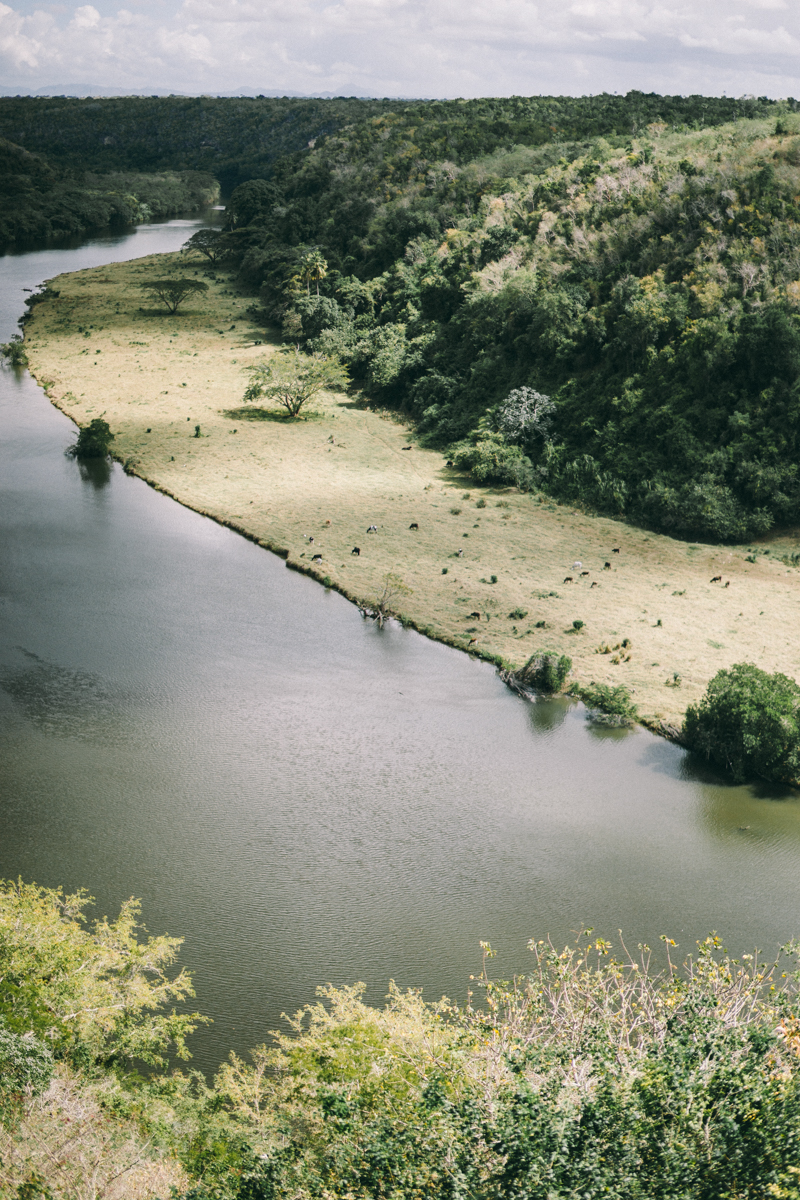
{"points": [[635, 294], [594, 1075], [41, 202], [240, 139]]}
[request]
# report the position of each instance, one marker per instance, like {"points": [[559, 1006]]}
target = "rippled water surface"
{"points": [[306, 798]]}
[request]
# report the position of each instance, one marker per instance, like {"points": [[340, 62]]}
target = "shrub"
{"points": [[94, 441], [545, 671], [517, 614], [748, 723], [608, 705], [491, 460], [26, 1067], [93, 991], [14, 351]]}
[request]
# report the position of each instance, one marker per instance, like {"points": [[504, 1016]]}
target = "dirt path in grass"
{"points": [[155, 377]]}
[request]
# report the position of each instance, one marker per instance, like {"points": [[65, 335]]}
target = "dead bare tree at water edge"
{"points": [[385, 603]]}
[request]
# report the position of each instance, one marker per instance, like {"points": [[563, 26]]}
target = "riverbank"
{"points": [[102, 349]]}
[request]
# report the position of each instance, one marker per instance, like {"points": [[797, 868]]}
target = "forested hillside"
{"points": [[40, 201], [240, 139], [638, 292]]}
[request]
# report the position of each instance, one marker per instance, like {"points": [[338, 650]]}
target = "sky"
{"points": [[426, 48]]}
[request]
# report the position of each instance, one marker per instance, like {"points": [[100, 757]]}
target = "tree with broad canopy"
{"points": [[173, 292], [293, 380]]}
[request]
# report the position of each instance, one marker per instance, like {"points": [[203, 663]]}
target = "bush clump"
{"points": [[545, 671], [608, 705], [94, 441], [749, 723], [26, 1068], [13, 352]]}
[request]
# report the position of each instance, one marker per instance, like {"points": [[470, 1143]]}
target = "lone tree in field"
{"points": [[173, 292], [748, 722], [94, 441], [210, 242], [293, 380]]}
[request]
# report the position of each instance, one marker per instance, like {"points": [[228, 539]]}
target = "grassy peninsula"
{"points": [[103, 348]]}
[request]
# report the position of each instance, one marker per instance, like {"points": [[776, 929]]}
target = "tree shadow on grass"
{"points": [[251, 412]]}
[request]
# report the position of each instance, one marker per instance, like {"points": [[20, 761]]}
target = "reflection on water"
{"points": [[66, 703], [302, 796], [548, 715], [96, 471]]}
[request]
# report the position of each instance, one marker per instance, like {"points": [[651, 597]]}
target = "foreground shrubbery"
{"points": [[591, 1076], [748, 722]]}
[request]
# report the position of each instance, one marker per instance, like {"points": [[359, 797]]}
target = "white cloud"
{"points": [[410, 47], [86, 17]]}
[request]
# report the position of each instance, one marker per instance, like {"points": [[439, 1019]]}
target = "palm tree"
{"points": [[313, 266]]}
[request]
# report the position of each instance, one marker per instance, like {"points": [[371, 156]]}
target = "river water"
{"points": [[303, 797]]}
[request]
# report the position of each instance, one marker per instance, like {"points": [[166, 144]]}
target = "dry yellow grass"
{"points": [[155, 377]]}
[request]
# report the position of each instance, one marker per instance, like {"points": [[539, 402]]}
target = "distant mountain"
{"points": [[83, 90]]}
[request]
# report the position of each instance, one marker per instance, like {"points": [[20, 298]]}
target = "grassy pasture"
{"points": [[155, 377]]}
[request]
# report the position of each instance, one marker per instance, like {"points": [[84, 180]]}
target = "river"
{"points": [[303, 797]]}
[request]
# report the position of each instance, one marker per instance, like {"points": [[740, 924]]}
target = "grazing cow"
{"points": [[717, 579], [356, 550], [413, 525], [311, 539], [449, 462], [568, 579], [372, 529], [316, 558], [327, 522], [474, 616], [576, 566], [615, 549], [727, 583], [595, 584], [460, 553], [607, 566], [472, 641], [584, 573]]}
